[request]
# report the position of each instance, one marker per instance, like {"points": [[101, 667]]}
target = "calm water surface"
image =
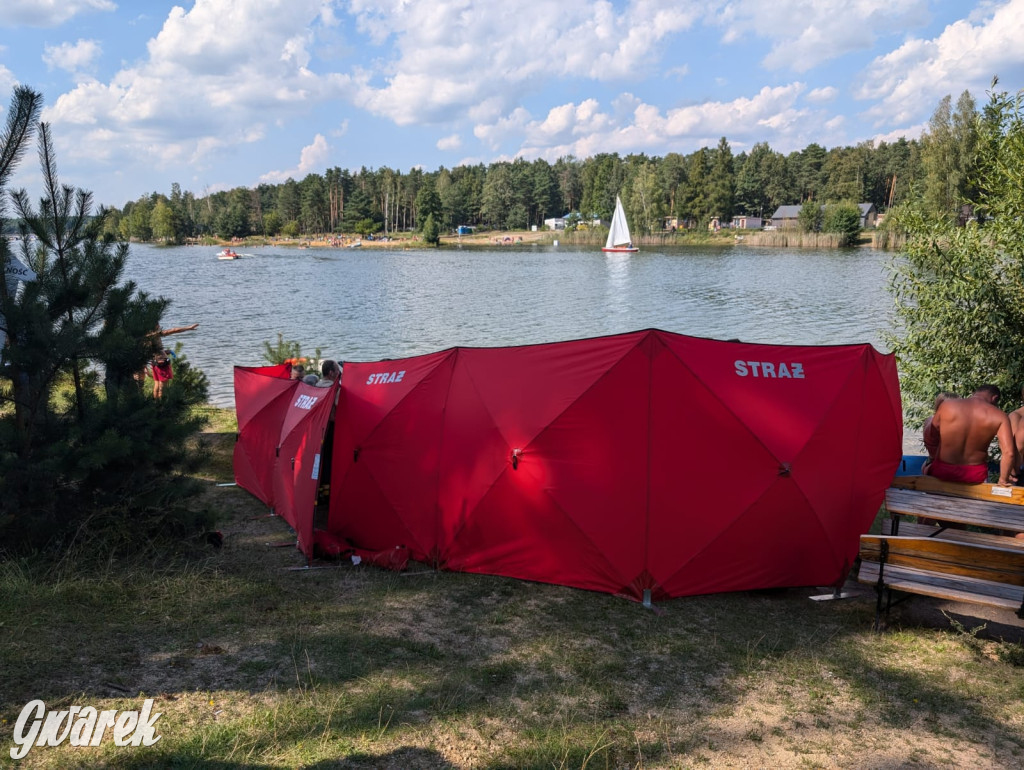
{"points": [[360, 305]]}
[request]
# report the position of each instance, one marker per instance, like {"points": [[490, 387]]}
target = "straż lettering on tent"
{"points": [[306, 402], [770, 370], [385, 378]]}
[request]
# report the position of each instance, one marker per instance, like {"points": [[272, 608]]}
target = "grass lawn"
{"points": [[255, 665]]}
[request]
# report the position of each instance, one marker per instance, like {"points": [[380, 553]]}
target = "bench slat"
{"points": [[961, 590], [980, 513], [912, 529], [1009, 495], [1002, 565]]}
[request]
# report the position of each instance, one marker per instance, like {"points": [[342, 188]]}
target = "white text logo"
{"points": [[306, 402], [82, 727], [769, 369], [384, 378]]}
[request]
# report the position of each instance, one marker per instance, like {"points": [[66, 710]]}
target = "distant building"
{"points": [[786, 216], [745, 222], [555, 223], [789, 216], [868, 215]]}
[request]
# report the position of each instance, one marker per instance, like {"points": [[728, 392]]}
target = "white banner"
{"points": [[14, 271]]}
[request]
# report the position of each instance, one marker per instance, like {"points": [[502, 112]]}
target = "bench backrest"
{"points": [[989, 492], [983, 562], [979, 512]]}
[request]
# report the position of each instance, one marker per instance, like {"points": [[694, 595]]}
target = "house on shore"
{"points": [[746, 222], [789, 216], [786, 217]]}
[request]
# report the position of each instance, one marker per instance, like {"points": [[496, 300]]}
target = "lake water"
{"points": [[368, 304]]}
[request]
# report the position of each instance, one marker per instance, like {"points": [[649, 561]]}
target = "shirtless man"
{"points": [[965, 428], [1017, 426], [931, 436]]}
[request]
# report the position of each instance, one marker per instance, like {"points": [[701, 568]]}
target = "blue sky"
{"points": [[215, 94]]}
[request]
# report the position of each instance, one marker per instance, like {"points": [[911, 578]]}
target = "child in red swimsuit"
{"points": [[162, 372]]}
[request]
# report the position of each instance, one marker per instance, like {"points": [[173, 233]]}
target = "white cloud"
{"points": [[493, 135], [910, 132], [341, 130], [7, 83], [584, 129], [966, 55], [806, 33], [47, 13], [453, 142], [73, 57], [200, 91], [822, 95], [312, 159], [452, 56]]}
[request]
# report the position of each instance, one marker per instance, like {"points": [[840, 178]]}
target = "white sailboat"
{"points": [[619, 239]]}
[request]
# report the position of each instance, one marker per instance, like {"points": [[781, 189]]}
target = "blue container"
{"points": [[910, 465]]}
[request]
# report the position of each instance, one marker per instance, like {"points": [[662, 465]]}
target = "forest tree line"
{"points": [[692, 189]]}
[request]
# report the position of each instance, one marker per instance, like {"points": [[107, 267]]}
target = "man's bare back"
{"points": [[1017, 426], [966, 427]]}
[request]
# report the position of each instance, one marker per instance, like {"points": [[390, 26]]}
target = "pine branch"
{"points": [[21, 121]]}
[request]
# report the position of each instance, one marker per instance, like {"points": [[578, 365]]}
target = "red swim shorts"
{"points": [[968, 474]]}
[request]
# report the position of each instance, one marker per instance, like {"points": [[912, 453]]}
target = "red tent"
{"points": [[281, 427], [261, 399], [638, 462]]}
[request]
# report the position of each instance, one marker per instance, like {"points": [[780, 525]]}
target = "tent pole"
{"points": [[647, 598]]}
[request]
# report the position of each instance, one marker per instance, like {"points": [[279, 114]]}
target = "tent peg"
{"points": [[311, 567], [647, 598]]}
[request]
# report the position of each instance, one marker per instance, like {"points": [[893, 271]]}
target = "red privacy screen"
{"points": [[641, 461]]}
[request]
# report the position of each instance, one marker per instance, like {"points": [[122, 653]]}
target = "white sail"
{"points": [[618, 233]]}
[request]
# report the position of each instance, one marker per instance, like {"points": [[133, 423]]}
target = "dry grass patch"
{"points": [[254, 665]]}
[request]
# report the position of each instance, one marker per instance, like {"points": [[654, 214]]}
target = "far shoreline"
{"points": [[499, 239]]}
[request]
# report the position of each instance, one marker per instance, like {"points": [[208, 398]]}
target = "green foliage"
{"points": [[233, 222], [948, 154], [428, 203], [290, 351], [843, 219], [431, 233], [282, 351], [80, 441], [722, 187], [272, 223], [366, 227], [708, 182], [960, 290], [809, 218]]}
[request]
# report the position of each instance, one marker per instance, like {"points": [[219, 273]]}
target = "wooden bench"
{"points": [[945, 569], [981, 505], [948, 563]]}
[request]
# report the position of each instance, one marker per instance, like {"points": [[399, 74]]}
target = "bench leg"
{"points": [[881, 587], [878, 609]]}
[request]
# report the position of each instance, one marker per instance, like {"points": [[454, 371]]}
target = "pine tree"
{"points": [[431, 234], [79, 437]]}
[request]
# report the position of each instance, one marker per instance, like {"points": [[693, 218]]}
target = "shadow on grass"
{"points": [[406, 758], [353, 667]]}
